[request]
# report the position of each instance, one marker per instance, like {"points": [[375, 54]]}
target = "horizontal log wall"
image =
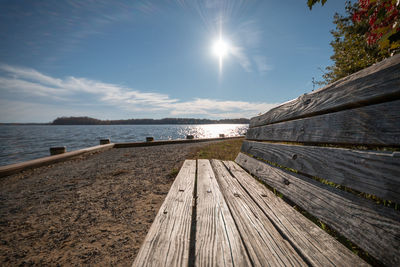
{"points": [[376, 84], [370, 125], [376, 173], [374, 228], [359, 111]]}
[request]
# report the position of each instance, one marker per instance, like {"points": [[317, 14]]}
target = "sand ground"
{"points": [[92, 210]]}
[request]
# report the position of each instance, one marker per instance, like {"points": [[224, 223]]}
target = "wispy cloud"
{"points": [[255, 62], [52, 28], [261, 63], [246, 49], [30, 82], [243, 59]]}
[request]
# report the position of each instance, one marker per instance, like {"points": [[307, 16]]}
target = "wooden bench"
{"points": [[332, 153]]}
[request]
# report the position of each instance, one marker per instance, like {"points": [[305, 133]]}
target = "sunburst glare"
{"points": [[221, 49]]}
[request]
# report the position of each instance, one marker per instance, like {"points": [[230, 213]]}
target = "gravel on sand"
{"points": [[92, 210]]}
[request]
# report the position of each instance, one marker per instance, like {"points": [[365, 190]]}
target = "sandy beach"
{"points": [[92, 210]]}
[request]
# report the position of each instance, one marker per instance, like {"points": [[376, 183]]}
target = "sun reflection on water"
{"points": [[213, 130], [26, 142]]}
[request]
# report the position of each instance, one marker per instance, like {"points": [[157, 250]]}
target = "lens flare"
{"points": [[220, 48]]}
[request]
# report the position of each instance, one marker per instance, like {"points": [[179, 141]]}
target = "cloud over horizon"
{"points": [[74, 94]]}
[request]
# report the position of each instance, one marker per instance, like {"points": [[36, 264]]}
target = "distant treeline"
{"points": [[92, 121]]}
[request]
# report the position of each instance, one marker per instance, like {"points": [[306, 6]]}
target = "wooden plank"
{"points": [[265, 246], [318, 247], [218, 241], [168, 240], [376, 173], [378, 83], [372, 125], [373, 227]]}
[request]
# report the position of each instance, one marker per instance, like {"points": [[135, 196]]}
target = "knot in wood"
{"points": [[286, 181], [236, 194], [307, 101], [165, 212], [294, 157], [181, 190]]}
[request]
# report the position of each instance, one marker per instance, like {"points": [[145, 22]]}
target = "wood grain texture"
{"points": [[265, 246], [371, 125], [376, 83], [218, 241], [376, 173], [318, 247], [168, 240], [374, 228]]}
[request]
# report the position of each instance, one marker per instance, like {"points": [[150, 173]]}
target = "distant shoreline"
{"points": [[165, 121]]}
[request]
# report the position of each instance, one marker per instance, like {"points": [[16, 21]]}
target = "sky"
{"points": [[157, 59]]}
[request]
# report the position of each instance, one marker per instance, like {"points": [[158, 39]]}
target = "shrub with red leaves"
{"points": [[382, 17]]}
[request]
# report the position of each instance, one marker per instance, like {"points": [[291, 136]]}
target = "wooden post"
{"points": [[189, 136], [104, 141], [57, 150], [149, 139]]}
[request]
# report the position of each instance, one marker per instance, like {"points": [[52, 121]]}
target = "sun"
{"points": [[220, 48]]}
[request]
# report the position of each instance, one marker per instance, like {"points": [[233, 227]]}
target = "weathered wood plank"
{"points": [[374, 228], [218, 241], [265, 246], [318, 247], [376, 83], [376, 173], [372, 125], [167, 242]]}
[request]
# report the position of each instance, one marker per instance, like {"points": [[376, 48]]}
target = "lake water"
{"points": [[25, 142]]}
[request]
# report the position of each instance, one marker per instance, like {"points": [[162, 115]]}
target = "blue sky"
{"points": [[154, 59]]}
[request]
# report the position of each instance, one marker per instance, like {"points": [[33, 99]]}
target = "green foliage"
{"points": [[368, 33], [351, 51], [311, 3], [383, 17]]}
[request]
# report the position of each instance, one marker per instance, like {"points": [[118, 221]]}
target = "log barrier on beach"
{"points": [[57, 150], [26, 165], [105, 141]]}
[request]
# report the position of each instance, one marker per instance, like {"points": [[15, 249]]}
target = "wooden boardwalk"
{"points": [[216, 214]]}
